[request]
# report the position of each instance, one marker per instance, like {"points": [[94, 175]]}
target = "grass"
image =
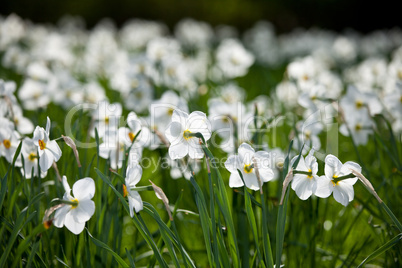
{"points": [[213, 225]]}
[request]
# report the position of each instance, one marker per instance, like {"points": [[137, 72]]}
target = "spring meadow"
{"points": [[199, 146]]}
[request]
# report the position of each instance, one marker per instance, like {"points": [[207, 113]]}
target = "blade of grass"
{"points": [[382, 249], [107, 248], [140, 228]]}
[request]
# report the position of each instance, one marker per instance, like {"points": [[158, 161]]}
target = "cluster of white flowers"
{"points": [[160, 77]]}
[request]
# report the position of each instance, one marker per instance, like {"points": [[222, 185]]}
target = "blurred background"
{"points": [[337, 15]]}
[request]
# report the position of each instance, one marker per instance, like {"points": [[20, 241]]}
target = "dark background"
{"points": [[337, 15]]}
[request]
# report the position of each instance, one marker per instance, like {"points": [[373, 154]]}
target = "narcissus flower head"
{"points": [[180, 134], [334, 180], [49, 150], [80, 207]]}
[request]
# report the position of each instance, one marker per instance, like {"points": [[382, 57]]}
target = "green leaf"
{"points": [[106, 247], [382, 249], [17, 228]]}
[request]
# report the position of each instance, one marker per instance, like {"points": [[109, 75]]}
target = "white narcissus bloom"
{"points": [[180, 130], [81, 209], [233, 59], [305, 184], [30, 154], [9, 141], [133, 176], [245, 162], [127, 135], [107, 116], [329, 183], [49, 150]]}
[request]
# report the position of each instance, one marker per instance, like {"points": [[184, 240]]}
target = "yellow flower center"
{"points": [[248, 168], [307, 134], [42, 144], [358, 127], [75, 203], [32, 157], [170, 111], [107, 120], [310, 176], [131, 135], [335, 182], [7, 144], [359, 104], [186, 134]]}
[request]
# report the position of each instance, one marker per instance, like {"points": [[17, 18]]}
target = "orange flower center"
{"points": [[42, 144], [131, 135], [124, 190]]}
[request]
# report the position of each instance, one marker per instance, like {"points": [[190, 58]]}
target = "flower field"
{"points": [[199, 146]]}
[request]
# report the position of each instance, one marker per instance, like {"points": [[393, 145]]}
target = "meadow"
{"points": [[199, 146]]}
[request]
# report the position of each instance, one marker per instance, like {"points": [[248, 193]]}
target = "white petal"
{"points": [[235, 180], [302, 164], [133, 175], [246, 153], [303, 186], [194, 149], [47, 125], [135, 201], [232, 163], [343, 193], [55, 149], [266, 173], [332, 165], [84, 189], [179, 116], [46, 160], [84, 211], [346, 168], [60, 215], [198, 122], [324, 187], [174, 132], [66, 185], [251, 181], [179, 150], [72, 225]]}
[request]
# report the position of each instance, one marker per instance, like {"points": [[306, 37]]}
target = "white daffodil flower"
{"points": [[127, 135], [80, 208], [245, 162], [9, 141], [133, 176], [30, 154], [180, 130], [332, 181], [107, 117], [305, 182], [49, 150], [114, 148]]}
